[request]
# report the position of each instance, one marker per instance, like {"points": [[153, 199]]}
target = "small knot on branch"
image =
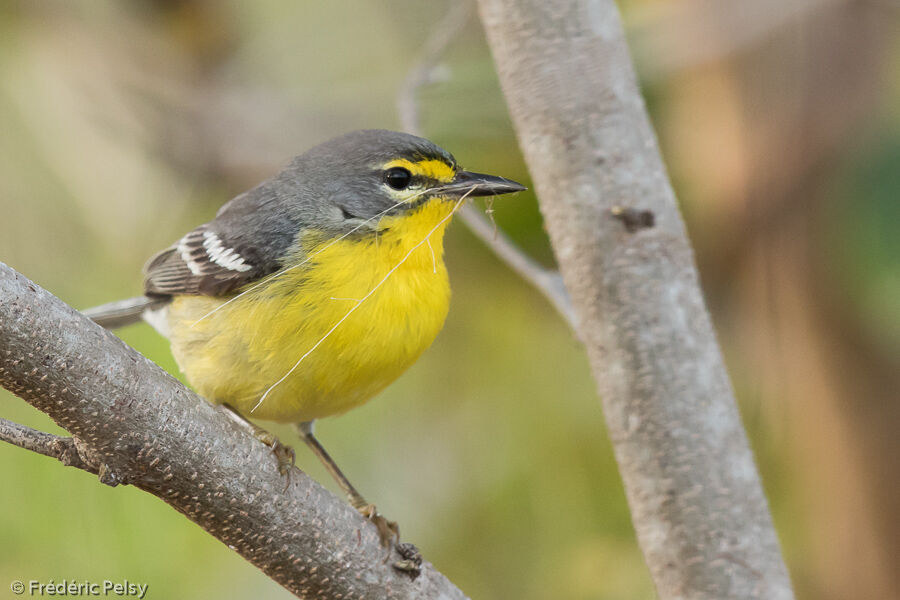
{"points": [[634, 219], [67, 453], [108, 476], [412, 560]]}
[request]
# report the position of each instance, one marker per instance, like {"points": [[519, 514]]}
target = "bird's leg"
{"points": [[284, 454], [387, 530]]}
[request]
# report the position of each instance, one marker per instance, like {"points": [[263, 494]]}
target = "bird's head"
{"points": [[360, 177]]}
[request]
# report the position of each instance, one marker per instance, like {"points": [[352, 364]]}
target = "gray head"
{"points": [[346, 181]]}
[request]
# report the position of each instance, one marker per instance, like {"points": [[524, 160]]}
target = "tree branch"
{"points": [[694, 493], [420, 75], [547, 281], [62, 449], [133, 423]]}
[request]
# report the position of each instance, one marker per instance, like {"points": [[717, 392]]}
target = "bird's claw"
{"points": [[285, 456], [388, 531]]}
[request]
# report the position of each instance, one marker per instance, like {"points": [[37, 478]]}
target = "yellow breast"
{"points": [[328, 335]]}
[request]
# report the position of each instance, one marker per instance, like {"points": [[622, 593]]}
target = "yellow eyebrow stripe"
{"points": [[430, 168]]}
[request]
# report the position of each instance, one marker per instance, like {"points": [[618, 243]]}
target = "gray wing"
{"points": [[245, 242], [202, 263]]}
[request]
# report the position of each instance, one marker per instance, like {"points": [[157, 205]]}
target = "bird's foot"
{"points": [[388, 531], [285, 455]]}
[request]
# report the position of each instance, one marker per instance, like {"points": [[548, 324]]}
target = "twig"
{"points": [[548, 282], [62, 449], [692, 486], [420, 74], [135, 424]]}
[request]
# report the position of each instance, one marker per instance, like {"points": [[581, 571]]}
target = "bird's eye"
{"points": [[347, 214], [397, 177]]}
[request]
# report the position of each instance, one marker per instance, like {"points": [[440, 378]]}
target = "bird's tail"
{"points": [[122, 312]]}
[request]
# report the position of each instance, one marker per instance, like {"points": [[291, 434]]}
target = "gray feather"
{"points": [[122, 312]]}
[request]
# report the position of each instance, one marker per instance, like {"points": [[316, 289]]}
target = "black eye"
{"points": [[347, 214], [397, 177]]}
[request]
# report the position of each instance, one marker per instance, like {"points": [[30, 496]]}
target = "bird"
{"points": [[310, 293]]}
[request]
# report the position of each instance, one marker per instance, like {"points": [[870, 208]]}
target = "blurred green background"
{"points": [[125, 123]]}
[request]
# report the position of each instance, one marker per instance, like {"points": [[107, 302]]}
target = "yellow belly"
{"points": [[324, 337]]}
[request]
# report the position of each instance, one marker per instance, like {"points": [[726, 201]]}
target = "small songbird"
{"points": [[307, 295]]}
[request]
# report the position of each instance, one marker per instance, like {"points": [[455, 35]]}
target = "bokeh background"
{"points": [[125, 123]]}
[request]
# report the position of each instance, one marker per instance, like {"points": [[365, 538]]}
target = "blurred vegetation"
{"points": [[126, 123]]}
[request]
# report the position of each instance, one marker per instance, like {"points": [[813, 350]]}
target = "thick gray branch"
{"points": [[135, 424], [695, 496]]}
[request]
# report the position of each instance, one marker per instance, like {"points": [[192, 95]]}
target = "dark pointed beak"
{"points": [[471, 184]]}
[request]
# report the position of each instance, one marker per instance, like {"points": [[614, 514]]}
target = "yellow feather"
{"points": [[430, 168], [242, 349]]}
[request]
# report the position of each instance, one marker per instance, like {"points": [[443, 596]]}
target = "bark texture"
{"points": [[695, 496], [134, 424]]}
